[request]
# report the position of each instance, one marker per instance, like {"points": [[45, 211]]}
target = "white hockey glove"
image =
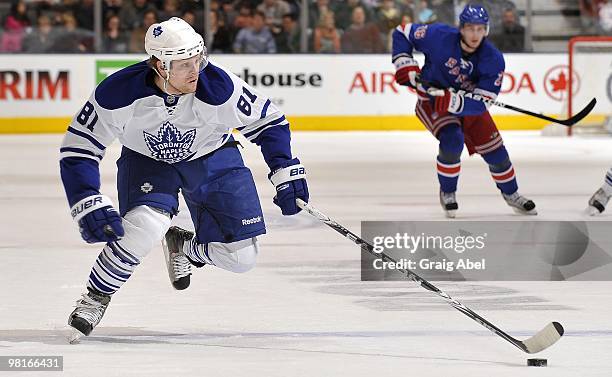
{"points": [[446, 101]]}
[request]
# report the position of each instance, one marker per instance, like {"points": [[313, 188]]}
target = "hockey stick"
{"points": [[566, 122], [545, 338]]}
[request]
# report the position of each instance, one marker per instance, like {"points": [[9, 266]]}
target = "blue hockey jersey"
{"points": [[447, 66], [129, 107]]}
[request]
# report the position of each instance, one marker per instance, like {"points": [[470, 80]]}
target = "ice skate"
{"points": [[520, 204], [598, 202], [179, 267], [87, 313], [448, 203]]}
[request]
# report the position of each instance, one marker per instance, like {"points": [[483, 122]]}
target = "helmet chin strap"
{"points": [[166, 81]]}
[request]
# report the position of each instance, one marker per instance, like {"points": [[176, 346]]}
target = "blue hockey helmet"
{"points": [[474, 14]]}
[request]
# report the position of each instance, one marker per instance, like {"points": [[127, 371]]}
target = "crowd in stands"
{"points": [[248, 26], [596, 16]]}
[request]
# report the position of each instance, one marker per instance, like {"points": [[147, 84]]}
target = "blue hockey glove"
{"points": [[98, 220], [289, 180]]}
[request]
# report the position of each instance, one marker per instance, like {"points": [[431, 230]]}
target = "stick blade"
{"points": [[548, 336], [579, 116]]}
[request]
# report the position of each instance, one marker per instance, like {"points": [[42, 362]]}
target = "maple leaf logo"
{"points": [[169, 145], [559, 83], [157, 31]]}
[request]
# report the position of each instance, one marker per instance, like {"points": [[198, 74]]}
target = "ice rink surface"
{"points": [[303, 310]]}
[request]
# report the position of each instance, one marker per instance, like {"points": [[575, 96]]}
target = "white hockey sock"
{"points": [[239, 256], [112, 268], [607, 186]]}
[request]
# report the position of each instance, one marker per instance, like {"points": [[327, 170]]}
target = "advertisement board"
{"points": [[40, 93]]}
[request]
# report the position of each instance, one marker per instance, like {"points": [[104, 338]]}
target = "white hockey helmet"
{"points": [[174, 39]]}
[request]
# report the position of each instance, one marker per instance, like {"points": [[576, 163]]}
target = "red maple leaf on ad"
{"points": [[560, 83]]}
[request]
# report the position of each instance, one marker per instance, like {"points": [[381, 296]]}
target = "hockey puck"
{"points": [[537, 362]]}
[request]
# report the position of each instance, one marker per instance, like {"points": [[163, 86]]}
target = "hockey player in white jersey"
{"points": [[174, 115], [599, 200]]}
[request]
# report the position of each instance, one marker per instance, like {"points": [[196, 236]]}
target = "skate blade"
{"points": [[451, 213], [593, 211], [519, 211], [75, 336]]}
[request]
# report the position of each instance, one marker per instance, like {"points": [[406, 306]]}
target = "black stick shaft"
{"points": [[411, 275], [566, 122]]}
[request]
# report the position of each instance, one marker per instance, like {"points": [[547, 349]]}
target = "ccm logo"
{"points": [[297, 171]]}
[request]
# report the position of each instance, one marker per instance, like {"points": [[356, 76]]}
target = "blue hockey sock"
{"points": [[449, 157], [502, 170]]}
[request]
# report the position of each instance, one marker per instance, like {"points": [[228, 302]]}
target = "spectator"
{"points": [[371, 5], [70, 39], [406, 19], [512, 36], [388, 17], [132, 14], [191, 5], [197, 24], [288, 40], [84, 15], [425, 15], [244, 17], [589, 14], [221, 35], [326, 36], [496, 9], [137, 36], [407, 7], [227, 14], [605, 18], [114, 40], [444, 11], [344, 13], [15, 26], [170, 9], [317, 9], [111, 7], [42, 38], [256, 39], [361, 37], [274, 11]]}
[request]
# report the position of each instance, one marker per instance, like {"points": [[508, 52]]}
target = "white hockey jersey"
{"points": [[129, 107]]}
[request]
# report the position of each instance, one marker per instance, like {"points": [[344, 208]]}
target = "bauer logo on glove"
{"points": [[83, 205], [290, 182], [98, 220]]}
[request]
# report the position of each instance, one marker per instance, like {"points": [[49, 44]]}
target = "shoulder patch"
{"points": [[420, 32], [215, 86], [124, 87]]}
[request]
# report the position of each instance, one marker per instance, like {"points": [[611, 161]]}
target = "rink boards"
{"points": [[40, 93]]}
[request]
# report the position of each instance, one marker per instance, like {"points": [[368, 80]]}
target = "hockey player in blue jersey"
{"points": [[174, 115], [461, 59]]}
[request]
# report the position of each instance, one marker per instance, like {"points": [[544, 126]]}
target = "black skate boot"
{"points": [[598, 202], [520, 204], [179, 266], [448, 201], [88, 312]]}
